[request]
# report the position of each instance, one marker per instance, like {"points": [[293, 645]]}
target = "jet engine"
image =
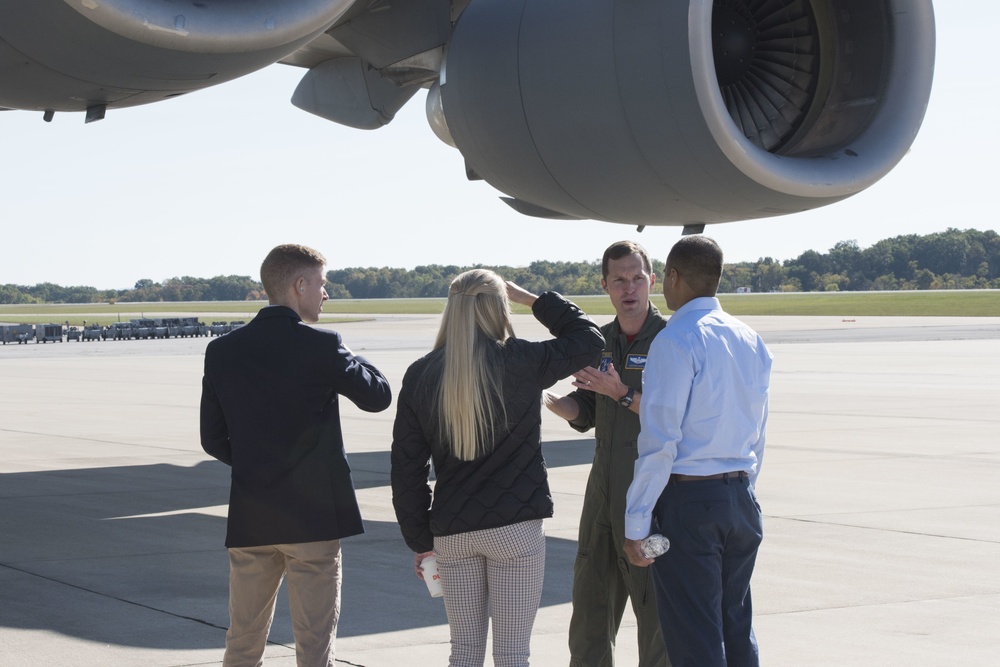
{"points": [[683, 112], [644, 112]]}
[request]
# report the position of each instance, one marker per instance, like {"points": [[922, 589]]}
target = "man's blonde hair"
{"points": [[475, 324], [284, 264]]}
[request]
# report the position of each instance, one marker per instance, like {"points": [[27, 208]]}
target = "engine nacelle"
{"points": [[70, 55], [671, 112]]}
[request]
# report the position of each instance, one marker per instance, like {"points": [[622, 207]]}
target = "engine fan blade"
{"points": [[767, 63]]}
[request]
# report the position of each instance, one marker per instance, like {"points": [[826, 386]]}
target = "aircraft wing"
{"points": [[644, 112]]}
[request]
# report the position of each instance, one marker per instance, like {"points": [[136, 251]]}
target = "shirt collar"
{"points": [[696, 304]]}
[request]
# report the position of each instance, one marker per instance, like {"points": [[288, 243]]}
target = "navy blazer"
{"points": [[270, 409]]}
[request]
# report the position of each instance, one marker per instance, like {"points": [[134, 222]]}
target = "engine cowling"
{"points": [[70, 55], [649, 112]]}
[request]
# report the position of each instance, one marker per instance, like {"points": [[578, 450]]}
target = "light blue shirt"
{"points": [[704, 405]]}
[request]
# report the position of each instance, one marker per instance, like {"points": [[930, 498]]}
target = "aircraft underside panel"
{"points": [[69, 55]]}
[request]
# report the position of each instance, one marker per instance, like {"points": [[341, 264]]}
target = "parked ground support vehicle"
{"points": [[16, 333], [48, 333], [180, 327], [145, 328], [173, 327], [118, 331], [190, 326]]}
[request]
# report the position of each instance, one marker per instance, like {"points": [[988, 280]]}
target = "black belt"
{"points": [[739, 474]]}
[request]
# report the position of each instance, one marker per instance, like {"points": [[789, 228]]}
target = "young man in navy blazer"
{"points": [[270, 409]]}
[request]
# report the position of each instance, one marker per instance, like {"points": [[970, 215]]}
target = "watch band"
{"points": [[626, 400]]}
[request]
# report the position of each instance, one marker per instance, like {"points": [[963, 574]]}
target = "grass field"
{"points": [[961, 303]]}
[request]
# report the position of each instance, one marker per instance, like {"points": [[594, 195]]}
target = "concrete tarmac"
{"points": [[879, 488]]}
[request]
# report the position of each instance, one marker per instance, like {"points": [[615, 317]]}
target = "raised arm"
{"points": [[358, 380]]}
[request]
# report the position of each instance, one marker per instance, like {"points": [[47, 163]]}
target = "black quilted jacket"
{"points": [[509, 484]]}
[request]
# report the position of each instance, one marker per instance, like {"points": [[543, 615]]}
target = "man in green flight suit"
{"points": [[607, 399]]}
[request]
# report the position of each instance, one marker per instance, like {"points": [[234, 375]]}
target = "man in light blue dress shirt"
{"points": [[703, 419]]}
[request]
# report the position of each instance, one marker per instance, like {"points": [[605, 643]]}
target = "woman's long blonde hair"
{"points": [[475, 324]]}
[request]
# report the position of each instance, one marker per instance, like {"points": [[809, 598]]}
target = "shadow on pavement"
{"points": [[132, 556]]}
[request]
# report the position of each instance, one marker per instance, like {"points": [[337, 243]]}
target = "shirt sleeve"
{"points": [[666, 386], [758, 447]]}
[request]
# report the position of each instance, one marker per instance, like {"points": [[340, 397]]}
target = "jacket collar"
{"points": [[268, 312]]}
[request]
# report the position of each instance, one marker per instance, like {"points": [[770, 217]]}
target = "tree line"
{"points": [[953, 259]]}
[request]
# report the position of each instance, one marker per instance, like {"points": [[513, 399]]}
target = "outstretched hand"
{"points": [[608, 384]]}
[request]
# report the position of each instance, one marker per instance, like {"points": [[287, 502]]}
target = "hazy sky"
{"points": [[206, 184]]}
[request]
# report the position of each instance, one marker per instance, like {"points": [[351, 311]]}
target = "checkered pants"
{"points": [[495, 573]]}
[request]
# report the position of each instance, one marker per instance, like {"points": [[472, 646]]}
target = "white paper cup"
{"points": [[429, 565]]}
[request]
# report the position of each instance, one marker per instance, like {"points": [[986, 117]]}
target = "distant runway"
{"points": [[879, 489]]}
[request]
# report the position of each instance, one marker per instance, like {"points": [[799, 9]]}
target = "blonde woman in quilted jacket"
{"points": [[472, 406]]}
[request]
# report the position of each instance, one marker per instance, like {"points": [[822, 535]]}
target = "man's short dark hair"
{"points": [[698, 259], [623, 249]]}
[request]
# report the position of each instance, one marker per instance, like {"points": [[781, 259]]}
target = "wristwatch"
{"points": [[626, 400]]}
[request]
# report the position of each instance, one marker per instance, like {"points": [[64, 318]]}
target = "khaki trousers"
{"points": [[314, 575]]}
